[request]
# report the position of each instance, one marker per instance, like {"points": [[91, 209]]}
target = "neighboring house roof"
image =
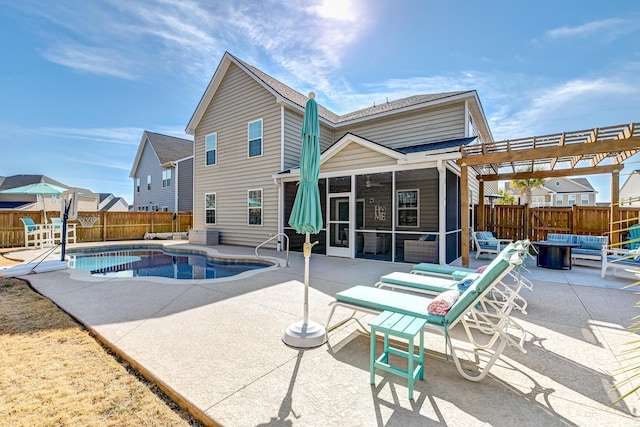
{"points": [[112, 203], [15, 181], [569, 185], [13, 205], [297, 100], [167, 148]]}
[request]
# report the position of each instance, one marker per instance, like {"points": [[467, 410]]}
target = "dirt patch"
{"points": [[55, 373]]}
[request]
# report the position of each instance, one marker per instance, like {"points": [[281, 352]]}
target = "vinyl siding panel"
{"points": [[238, 101], [412, 128], [355, 156], [150, 165], [185, 185], [293, 141]]}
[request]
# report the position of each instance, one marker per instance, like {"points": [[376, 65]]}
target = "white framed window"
{"points": [[211, 148], [584, 199], [166, 178], [254, 206], [210, 208], [165, 209], [148, 182], [137, 185], [559, 200], [571, 199], [254, 134], [408, 208]]}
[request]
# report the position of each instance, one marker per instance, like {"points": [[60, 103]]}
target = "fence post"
{"points": [[572, 219], [104, 226], [525, 222]]}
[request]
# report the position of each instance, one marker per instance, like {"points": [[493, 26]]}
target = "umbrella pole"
{"points": [[307, 255]]}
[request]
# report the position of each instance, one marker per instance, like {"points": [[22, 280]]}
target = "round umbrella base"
{"points": [[303, 335]]}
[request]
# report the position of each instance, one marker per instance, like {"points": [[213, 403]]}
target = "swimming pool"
{"points": [[141, 261]]}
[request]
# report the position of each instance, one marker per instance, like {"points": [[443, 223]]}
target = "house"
{"points": [[564, 192], [162, 174], [630, 190], [109, 203], [87, 200], [387, 173]]}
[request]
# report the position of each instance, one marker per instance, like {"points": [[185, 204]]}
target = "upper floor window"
{"points": [[137, 185], [571, 199], [211, 147], [148, 182], [254, 205], [166, 178], [210, 208], [255, 138], [584, 199], [559, 200]]}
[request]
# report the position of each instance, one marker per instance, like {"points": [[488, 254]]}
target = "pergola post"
{"points": [[464, 204], [481, 207], [614, 220]]}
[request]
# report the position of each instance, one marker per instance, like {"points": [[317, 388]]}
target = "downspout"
{"points": [[442, 211], [279, 182], [175, 196]]}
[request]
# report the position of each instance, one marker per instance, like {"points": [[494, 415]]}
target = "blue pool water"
{"points": [[142, 261]]}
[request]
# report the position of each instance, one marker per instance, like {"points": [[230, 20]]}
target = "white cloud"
{"points": [[124, 135], [92, 60], [609, 29]]}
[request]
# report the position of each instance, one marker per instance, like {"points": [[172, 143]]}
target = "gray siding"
{"points": [[238, 100], [150, 165], [412, 128], [185, 185], [353, 157]]}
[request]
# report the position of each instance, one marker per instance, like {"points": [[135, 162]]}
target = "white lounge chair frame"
{"points": [[489, 318]]}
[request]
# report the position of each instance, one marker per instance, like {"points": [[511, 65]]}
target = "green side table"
{"points": [[401, 326]]}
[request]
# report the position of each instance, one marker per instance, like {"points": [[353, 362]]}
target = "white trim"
{"points": [[249, 156], [281, 137], [206, 151], [175, 193], [261, 207], [215, 209], [442, 211]]}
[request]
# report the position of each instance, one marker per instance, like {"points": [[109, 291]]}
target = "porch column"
{"points": [[614, 220], [464, 217], [481, 207], [442, 212]]}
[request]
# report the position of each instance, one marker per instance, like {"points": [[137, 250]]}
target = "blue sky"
{"points": [[80, 80]]}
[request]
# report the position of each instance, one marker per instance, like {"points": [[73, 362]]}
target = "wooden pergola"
{"points": [[585, 152]]}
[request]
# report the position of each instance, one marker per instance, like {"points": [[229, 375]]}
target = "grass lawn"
{"points": [[53, 372]]}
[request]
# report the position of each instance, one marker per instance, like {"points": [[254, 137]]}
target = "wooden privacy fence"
{"points": [[98, 226], [521, 221]]}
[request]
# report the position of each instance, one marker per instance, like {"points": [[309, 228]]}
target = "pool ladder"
{"points": [[275, 236]]}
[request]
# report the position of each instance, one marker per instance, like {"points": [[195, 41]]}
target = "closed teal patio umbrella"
{"points": [[306, 217]]}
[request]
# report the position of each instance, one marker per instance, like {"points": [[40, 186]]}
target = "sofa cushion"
{"points": [[592, 245]]}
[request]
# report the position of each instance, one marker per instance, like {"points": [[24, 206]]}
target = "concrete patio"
{"points": [[216, 346]]}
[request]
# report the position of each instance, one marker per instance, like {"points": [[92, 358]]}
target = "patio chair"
{"points": [[372, 243], [56, 231], [486, 243], [468, 310], [36, 235], [634, 236]]}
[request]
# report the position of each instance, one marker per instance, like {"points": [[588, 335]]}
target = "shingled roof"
{"points": [[16, 181], [169, 148], [299, 99]]}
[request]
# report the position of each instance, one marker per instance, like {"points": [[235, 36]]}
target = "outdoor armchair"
{"points": [[36, 235]]}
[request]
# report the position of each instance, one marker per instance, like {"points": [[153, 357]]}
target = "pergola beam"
{"points": [[551, 173], [609, 146]]}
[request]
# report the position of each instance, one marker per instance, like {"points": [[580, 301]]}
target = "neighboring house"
{"points": [[110, 203], [630, 190], [162, 174], [87, 200], [387, 172], [561, 192]]}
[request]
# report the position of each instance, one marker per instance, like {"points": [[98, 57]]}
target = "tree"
{"points": [[527, 185], [507, 197]]}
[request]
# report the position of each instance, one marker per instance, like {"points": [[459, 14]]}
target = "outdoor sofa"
{"points": [[590, 246]]}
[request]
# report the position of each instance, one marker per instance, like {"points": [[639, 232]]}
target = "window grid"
{"points": [[254, 135], [166, 178], [210, 208], [254, 207], [211, 147]]}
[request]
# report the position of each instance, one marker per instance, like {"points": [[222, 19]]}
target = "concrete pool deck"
{"points": [[216, 346]]}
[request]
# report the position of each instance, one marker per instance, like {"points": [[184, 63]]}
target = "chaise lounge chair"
{"points": [[470, 310]]}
